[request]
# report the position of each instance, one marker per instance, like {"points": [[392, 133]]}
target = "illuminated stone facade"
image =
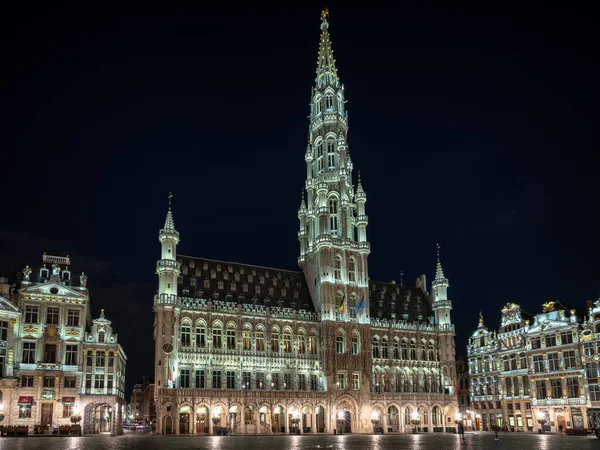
{"points": [[260, 350], [528, 376], [59, 362]]}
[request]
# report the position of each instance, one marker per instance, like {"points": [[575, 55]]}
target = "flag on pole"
{"points": [[342, 306], [361, 304], [457, 389]]}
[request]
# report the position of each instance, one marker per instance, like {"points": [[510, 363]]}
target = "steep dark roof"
{"points": [[408, 303], [242, 283]]}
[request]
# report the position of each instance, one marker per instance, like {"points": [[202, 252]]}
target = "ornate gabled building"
{"points": [[264, 350], [53, 368], [528, 376]]}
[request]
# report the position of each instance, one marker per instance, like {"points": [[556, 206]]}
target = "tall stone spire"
{"points": [[439, 272], [326, 70], [332, 228], [169, 222], [441, 304]]}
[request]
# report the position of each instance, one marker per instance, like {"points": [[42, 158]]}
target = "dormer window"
{"points": [[192, 264], [101, 336], [225, 275], [250, 278], [220, 284], [271, 291], [207, 284], [218, 267], [193, 281], [66, 275], [245, 287], [257, 289], [317, 106], [184, 269], [274, 281], [205, 266], [213, 274], [44, 273], [262, 280]]}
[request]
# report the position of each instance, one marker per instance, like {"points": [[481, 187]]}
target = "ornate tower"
{"points": [[332, 235], [441, 309], [166, 310]]}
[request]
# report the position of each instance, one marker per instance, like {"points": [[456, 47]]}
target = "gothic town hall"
{"points": [[256, 350]]}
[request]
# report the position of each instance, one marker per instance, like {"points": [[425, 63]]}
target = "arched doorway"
{"points": [[232, 418], [184, 419], [202, 425], [278, 421], [393, 419], [168, 425], [561, 423], [307, 425], [343, 421], [320, 419]]}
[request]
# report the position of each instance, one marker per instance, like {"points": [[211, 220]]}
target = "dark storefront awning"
{"points": [[68, 400], [25, 400]]}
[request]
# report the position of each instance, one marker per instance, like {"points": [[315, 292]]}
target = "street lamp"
{"points": [[216, 418], [375, 417], [296, 421], [414, 419]]}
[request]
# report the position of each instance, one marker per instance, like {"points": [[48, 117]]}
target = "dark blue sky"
{"points": [[473, 126]]}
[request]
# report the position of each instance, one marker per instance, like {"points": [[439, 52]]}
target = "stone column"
{"points": [[176, 420], [313, 422], [243, 418], [287, 421]]}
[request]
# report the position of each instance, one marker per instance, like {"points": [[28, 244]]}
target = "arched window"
{"points": [[317, 105], [329, 102], [413, 349], [340, 104], [376, 347], [287, 340], [186, 335], [355, 343], [330, 154], [333, 217], [384, 348], [422, 354], [319, 157], [301, 342], [430, 351], [396, 354], [275, 340], [352, 270], [259, 335], [231, 336], [337, 268], [340, 342], [247, 338], [352, 306], [217, 335], [404, 349], [407, 416]]}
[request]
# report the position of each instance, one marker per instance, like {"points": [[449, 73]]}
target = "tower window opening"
{"points": [[329, 103], [333, 217], [319, 157], [317, 106], [352, 271], [337, 268], [330, 154]]}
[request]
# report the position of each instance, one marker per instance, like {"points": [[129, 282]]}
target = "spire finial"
{"points": [[102, 312], [170, 197], [303, 195], [437, 249], [480, 318], [359, 176], [324, 15]]}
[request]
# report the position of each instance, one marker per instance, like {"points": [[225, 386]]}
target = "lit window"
{"points": [[337, 268]]}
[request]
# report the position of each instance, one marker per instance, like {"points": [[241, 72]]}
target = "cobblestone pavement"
{"points": [[473, 441]]}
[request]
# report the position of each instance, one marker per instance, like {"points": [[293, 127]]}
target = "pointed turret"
{"points": [[441, 304], [167, 267], [326, 70]]}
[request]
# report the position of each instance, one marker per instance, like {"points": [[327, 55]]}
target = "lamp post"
{"points": [[375, 418], [414, 419], [296, 421], [216, 419]]}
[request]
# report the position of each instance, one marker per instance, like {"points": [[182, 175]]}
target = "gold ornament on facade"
{"points": [[548, 307], [72, 332], [30, 330]]}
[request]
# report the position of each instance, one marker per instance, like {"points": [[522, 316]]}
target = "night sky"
{"points": [[475, 127]]}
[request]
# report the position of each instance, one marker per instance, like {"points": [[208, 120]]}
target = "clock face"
{"points": [[168, 347]]}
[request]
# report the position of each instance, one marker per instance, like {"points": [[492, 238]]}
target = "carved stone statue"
{"points": [[26, 273], [55, 269], [83, 279]]}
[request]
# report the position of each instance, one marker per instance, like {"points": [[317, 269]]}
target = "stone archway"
{"points": [[345, 416], [99, 418]]}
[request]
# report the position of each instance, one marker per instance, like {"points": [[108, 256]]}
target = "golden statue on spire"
{"points": [[480, 318], [324, 14]]}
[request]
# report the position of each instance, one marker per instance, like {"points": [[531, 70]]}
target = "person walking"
{"points": [[461, 430]]}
